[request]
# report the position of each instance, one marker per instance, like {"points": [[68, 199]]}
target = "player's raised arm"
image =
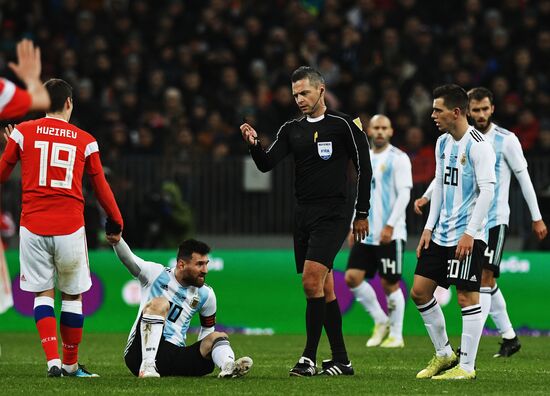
{"points": [[279, 149], [129, 259], [28, 69]]}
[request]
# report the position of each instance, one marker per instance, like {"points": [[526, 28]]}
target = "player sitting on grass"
{"points": [[169, 299]]}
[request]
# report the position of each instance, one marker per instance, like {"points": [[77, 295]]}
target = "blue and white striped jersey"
{"points": [[509, 158], [185, 301], [461, 166], [391, 172]]}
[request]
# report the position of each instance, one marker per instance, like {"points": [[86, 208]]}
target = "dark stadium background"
{"points": [[164, 85]]}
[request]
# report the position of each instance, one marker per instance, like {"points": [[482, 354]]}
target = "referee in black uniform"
{"points": [[322, 142]]}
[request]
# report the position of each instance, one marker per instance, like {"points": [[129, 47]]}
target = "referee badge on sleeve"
{"points": [[324, 149]]}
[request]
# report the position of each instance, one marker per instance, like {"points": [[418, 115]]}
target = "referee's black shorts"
{"points": [[172, 360], [319, 232]]}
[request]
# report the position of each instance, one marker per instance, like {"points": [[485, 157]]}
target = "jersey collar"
{"points": [[56, 118], [315, 119], [491, 130]]}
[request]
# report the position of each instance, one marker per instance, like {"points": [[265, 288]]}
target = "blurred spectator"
{"points": [[167, 218], [421, 155], [527, 129], [542, 147], [152, 78]]}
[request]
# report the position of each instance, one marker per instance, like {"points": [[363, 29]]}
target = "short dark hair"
{"points": [[59, 91], [453, 96], [480, 93], [190, 246], [313, 75]]}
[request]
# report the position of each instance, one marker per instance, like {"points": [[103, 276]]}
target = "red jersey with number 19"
{"points": [[54, 155]]}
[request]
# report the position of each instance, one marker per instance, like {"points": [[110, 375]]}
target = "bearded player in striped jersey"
{"points": [[382, 249], [169, 299], [450, 250], [510, 160]]}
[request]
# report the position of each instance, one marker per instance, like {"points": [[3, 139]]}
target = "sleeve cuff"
{"points": [[361, 215]]}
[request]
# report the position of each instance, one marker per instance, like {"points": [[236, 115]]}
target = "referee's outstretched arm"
{"points": [[266, 160]]}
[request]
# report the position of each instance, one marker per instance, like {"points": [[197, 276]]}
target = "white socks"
{"points": [[485, 302], [472, 326], [435, 324], [222, 354], [151, 333], [365, 295], [500, 315], [396, 310]]}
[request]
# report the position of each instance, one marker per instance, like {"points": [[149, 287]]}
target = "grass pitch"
{"points": [[378, 371]]}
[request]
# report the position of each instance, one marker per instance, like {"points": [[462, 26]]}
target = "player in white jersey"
{"points": [[450, 250], [169, 299], [382, 249], [509, 159]]}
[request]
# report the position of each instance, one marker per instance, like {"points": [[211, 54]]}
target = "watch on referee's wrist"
{"points": [[361, 215]]}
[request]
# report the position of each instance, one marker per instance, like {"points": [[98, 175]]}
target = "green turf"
{"points": [[22, 369]]}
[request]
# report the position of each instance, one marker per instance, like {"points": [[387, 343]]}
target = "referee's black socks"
{"points": [[315, 318], [333, 328]]}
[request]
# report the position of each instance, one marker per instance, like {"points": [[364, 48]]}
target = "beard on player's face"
{"points": [[192, 278], [380, 141], [483, 124]]}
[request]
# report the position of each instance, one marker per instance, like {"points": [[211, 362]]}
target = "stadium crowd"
{"points": [[175, 78]]}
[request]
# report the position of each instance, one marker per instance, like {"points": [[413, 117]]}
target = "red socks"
{"points": [[47, 327], [72, 321]]}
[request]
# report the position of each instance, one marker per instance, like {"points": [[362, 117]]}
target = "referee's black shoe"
{"points": [[508, 347], [304, 368], [330, 367]]}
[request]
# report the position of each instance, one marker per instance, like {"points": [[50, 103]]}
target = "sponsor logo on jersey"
{"points": [[324, 149], [473, 278], [315, 136], [164, 287]]}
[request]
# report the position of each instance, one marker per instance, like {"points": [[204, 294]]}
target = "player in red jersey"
{"points": [[14, 101], [54, 155]]}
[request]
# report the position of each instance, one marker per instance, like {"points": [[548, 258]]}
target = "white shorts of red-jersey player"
{"points": [[46, 260]]}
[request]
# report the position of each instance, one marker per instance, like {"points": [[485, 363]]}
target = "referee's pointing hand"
{"points": [[249, 134]]}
